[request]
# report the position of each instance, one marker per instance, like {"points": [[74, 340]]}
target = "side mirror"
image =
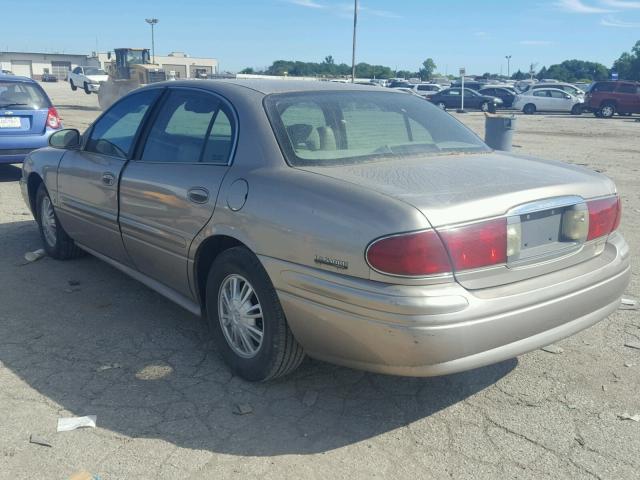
{"points": [[568, 97], [69, 138]]}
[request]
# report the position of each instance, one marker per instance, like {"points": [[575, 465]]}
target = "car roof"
{"points": [[16, 78], [268, 86], [547, 88]]}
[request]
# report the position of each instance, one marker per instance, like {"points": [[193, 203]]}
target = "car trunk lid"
{"points": [[458, 189]]}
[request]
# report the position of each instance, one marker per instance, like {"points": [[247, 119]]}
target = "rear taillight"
{"points": [[604, 216], [429, 253], [411, 254], [53, 119], [477, 245]]}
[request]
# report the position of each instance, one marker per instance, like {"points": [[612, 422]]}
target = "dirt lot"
{"points": [[80, 338]]}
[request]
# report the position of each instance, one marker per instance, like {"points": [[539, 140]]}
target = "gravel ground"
{"points": [[80, 338]]}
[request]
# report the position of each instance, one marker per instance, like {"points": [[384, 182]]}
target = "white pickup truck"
{"points": [[87, 78]]}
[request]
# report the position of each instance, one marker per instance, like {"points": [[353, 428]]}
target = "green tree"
{"points": [[428, 69], [628, 65], [248, 70], [575, 70], [519, 75]]}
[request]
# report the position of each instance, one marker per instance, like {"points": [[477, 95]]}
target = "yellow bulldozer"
{"points": [[131, 69]]}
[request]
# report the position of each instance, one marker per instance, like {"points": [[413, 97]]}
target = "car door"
{"points": [[453, 98], [628, 98], [542, 99], [88, 178], [168, 192], [560, 101]]}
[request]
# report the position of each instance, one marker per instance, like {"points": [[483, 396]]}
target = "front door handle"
{"points": [[198, 195], [108, 178]]}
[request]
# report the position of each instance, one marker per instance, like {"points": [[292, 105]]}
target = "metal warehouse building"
{"points": [[34, 65]]}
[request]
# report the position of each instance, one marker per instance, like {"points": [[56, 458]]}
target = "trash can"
{"points": [[498, 131]]}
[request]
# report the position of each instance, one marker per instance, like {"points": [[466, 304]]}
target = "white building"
{"points": [[34, 64], [182, 65]]}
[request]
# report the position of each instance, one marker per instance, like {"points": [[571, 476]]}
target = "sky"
{"points": [[401, 34]]}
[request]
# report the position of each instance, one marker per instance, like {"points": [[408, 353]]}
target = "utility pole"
{"points": [[353, 52], [508, 57], [152, 22]]}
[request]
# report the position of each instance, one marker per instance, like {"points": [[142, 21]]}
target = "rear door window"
{"points": [[191, 127], [627, 88]]}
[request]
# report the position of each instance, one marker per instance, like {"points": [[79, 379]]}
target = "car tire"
{"points": [[529, 109], [73, 87], [607, 110], [86, 88], [576, 109], [228, 301], [441, 105], [55, 240], [484, 106]]}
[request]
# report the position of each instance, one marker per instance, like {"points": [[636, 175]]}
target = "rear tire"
{"points": [[228, 304], [73, 87], [55, 240], [607, 110], [529, 109]]}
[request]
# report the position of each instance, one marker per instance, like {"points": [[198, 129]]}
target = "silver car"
{"points": [[359, 226]]}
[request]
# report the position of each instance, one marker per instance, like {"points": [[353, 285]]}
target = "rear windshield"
{"points": [[94, 71], [22, 96], [328, 128]]}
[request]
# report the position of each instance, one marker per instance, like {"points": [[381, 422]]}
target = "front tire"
{"points": [[484, 106], [246, 319], [529, 109], [442, 105], [86, 88], [55, 240], [73, 87], [576, 109]]}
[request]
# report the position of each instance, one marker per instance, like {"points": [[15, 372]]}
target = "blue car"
{"points": [[27, 118]]}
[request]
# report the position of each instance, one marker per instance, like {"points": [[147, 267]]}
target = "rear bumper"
{"points": [[15, 148], [442, 329]]}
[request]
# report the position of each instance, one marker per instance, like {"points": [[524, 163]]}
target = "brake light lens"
{"points": [[604, 216], [477, 245], [53, 119], [411, 255]]}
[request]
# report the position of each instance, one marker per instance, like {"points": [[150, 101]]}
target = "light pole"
{"points": [[152, 22], [353, 52], [508, 57]]}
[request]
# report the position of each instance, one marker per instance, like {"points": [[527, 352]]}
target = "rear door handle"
{"points": [[108, 178], [198, 195]]}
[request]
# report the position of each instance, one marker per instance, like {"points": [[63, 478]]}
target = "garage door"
{"points": [[181, 70], [21, 67], [60, 69]]}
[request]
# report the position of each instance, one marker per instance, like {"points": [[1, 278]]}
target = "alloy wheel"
{"points": [[240, 316], [48, 221]]}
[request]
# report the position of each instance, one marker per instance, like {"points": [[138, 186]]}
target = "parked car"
{"points": [[27, 118], [87, 78], [505, 94], [566, 87], [583, 86], [47, 77], [6, 72], [427, 89], [399, 83], [605, 99], [472, 84], [354, 224], [548, 100], [452, 98]]}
